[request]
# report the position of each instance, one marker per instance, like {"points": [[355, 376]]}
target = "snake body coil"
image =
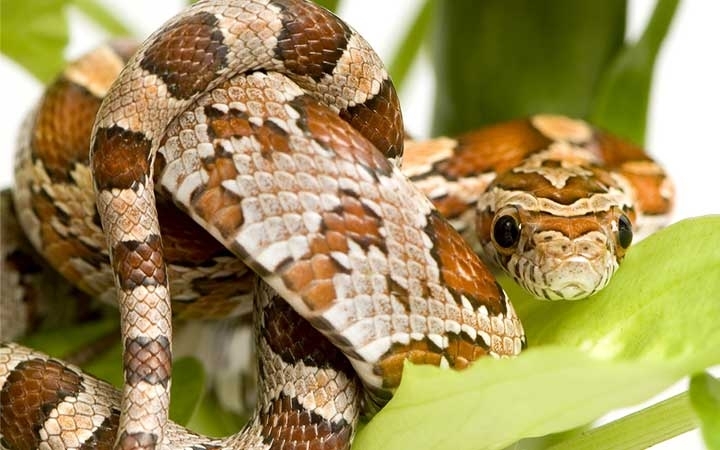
{"points": [[261, 137]]}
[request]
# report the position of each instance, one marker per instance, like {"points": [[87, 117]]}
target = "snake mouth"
{"points": [[577, 278], [573, 278], [573, 291]]}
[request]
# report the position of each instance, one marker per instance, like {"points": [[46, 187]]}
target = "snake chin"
{"points": [[574, 277]]}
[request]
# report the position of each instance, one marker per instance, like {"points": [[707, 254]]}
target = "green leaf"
{"points": [[410, 44], [705, 399], [331, 5], [61, 342], [108, 365], [495, 403], [34, 34], [101, 16], [496, 60], [188, 387], [211, 419], [651, 326], [621, 101]]}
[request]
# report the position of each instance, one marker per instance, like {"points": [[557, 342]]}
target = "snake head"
{"points": [[558, 240]]}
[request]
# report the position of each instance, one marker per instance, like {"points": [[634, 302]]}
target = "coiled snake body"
{"points": [[265, 134]]}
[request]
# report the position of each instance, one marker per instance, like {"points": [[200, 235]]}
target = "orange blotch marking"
{"points": [[495, 148], [461, 269]]}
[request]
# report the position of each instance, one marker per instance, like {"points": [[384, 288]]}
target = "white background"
{"points": [[684, 120]]}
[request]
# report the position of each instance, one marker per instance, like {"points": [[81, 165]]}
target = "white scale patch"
{"points": [[570, 164], [420, 156], [70, 423], [595, 203], [561, 128], [359, 71], [96, 70]]}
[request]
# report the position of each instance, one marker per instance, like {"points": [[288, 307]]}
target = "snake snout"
{"points": [[574, 269], [575, 278]]}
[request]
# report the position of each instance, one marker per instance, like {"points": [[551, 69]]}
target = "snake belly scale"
{"points": [[263, 137]]}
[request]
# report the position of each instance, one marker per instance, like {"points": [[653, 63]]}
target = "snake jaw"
{"points": [[554, 260], [578, 277], [573, 277]]}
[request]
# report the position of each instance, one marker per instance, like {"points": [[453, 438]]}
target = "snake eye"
{"points": [[506, 231], [625, 234]]}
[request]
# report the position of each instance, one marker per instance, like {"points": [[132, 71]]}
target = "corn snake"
{"points": [[211, 136]]}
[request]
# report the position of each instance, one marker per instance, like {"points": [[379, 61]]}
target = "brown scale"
{"points": [[311, 44], [114, 147], [32, 390], [217, 204], [312, 279], [495, 148], [460, 352], [597, 181], [187, 69], [312, 40], [62, 128], [289, 427], [147, 360], [654, 191], [341, 137], [461, 270], [380, 120], [286, 422]]}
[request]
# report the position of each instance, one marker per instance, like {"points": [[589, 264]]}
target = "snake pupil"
{"points": [[506, 231], [625, 234]]}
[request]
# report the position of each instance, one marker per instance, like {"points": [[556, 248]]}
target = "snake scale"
{"points": [[246, 159]]}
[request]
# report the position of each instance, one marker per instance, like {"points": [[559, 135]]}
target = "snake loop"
{"points": [[264, 137]]}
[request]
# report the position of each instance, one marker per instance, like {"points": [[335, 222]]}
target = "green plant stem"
{"points": [[639, 430], [705, 399], [411, 44]]}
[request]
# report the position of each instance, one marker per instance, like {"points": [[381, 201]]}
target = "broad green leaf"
{"points": [[651, 326], [497, 60], [705, 399], [34, 34], [410, 44], [621, 101], [495, 403]]}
